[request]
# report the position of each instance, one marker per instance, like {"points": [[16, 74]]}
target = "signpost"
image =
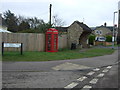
{"points": [[12, 45], [15, 45]]}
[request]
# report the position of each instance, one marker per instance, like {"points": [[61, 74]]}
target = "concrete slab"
{"points": [[69, 66]]}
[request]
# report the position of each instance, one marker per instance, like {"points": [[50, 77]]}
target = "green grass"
{"points": [[61, 55]]}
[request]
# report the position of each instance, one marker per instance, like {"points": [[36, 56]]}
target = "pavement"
{"points": [[78, 73]]}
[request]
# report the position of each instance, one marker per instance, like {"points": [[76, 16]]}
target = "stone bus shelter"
{"points": [[78, 34]]}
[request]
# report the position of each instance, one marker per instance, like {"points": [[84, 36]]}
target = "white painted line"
{"points": [[87, 86], [109, 67], [105, 70], [82, 78], [90, 73], [93, 81], [101, 75], [73, 84], [96, 69]]}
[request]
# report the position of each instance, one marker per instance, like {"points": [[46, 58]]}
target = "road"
{"points": [[78, 73]]}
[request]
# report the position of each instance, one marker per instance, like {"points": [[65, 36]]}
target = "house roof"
{"points": [[62, 29], [84, 26], [109, 27], [93, 28]]}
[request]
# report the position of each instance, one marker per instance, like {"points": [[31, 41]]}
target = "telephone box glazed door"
{"points": [[52, 40]]}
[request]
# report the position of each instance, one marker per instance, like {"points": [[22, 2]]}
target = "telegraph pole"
{"points": [[50, 14]]}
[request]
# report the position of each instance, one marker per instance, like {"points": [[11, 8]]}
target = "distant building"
{"points": [[102, 31], [3, 26]]}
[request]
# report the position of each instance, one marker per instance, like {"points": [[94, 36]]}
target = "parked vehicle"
{"points": [[100, 39]]}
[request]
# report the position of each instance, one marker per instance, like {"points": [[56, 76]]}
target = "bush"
{"points": [[29, 31], [91, 39], [108, 38]]}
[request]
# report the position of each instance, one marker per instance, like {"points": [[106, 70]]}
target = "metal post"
{"points": [[2, 48], [113, 38], [21, 51]]}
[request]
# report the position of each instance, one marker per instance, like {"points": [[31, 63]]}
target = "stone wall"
{"points": [[103, 43]]}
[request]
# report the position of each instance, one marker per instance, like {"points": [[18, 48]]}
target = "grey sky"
{"points": [[94, 12]]}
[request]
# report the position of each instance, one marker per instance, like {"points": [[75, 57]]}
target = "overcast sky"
{"points": [[92, 12]]}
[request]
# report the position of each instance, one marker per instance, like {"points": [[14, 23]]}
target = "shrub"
{"points": [[30, 31], [108, 38], [91, 39]]}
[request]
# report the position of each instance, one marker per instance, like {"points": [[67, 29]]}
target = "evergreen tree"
{"points": [[23, 26], [11, 21]]}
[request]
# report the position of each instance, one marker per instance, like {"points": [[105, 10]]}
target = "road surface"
{"points": [[78, 73]]}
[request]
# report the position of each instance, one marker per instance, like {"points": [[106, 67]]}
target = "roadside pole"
{"points": [[113, 37]]}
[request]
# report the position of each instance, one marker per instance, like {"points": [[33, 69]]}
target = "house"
{"points": [[78, 33], [3, 26], [102, 31]]}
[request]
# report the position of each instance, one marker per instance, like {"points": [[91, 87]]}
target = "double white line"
{"points": [[72, 85], [93, 81]]}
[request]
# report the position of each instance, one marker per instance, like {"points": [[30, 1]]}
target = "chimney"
{"points": [[105, 24]]}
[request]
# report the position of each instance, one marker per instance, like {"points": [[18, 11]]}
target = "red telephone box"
{"points": [[52, 40]]}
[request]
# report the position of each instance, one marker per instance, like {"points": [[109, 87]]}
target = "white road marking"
{"points": [[101, 75], [87, 86], [96, 69], [109, 67], [93, 81], [105, 70], [73, 84], [82, 78], [90, 73]]}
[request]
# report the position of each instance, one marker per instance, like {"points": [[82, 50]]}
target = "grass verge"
{"points": [[61, 55]]}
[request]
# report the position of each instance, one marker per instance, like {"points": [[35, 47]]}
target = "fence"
{"points": [[62, 41], [31, 42], [103, 43]]}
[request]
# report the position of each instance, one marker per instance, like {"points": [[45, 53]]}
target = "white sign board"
{"points": [[12, 44]]}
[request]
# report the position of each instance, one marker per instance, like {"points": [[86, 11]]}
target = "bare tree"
{"points": [[57, 22]]}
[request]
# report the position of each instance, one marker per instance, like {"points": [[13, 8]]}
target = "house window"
{"points": [[98, 32]]}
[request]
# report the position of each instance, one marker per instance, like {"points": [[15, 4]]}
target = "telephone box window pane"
{"points": [[49, 42]]}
